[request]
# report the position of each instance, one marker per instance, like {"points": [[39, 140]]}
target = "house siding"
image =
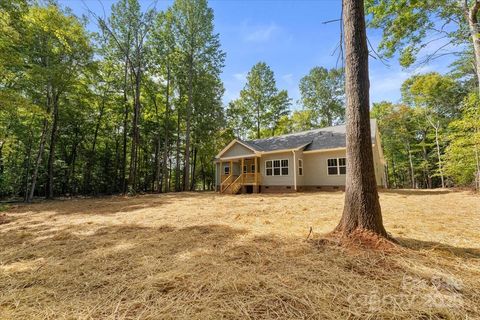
{"points": [[286, 180], [300, 178], [315, 169], [379, 166], [237, 150]]}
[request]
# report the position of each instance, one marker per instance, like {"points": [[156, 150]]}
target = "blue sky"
{"points": [[290, 36]]}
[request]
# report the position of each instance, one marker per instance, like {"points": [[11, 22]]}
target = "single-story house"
{"points": [[309, 160]]}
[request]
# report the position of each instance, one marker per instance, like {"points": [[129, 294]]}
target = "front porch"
{"points": [[240, 175]]}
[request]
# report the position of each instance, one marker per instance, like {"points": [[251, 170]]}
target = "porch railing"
{"points": [[226, 182], [250, 178], [233, 183]]}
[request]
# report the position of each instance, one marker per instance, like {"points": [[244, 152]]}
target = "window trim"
{"points": [[225, 169], [300, 167], [280, 167], [338, 166]]}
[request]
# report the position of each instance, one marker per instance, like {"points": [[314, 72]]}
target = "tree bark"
{"points": [[117, 162], [28, 155], [132, 177], [194, 168], [472, 17], [125, 128], [177, 156], [38, 160], [2, 143], [158, 165], [426, 171], [394, 173], [91, 161], [51, 156], [410, 161], [186, 175], [165, 123], [440, 165], [362, 210]]}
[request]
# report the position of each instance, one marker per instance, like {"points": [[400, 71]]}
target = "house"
{"points": [[309, 160]]}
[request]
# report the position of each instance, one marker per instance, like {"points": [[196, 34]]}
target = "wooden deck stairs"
{"points": [[233, 184]]}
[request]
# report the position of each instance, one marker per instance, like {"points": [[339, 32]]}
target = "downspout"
{"points": [[294, 171]]}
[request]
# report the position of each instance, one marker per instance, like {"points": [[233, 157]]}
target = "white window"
{"points": [[342, 165], [276, 167], [226, 170], [337, 166], [300, 167]]}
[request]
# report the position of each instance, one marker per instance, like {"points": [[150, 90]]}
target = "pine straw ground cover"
{"points": [[207, 256]]}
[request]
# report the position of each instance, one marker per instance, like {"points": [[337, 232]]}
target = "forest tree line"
{"points": [[137, 105], [131, 108]]}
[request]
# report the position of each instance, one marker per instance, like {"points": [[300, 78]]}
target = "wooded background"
{"points": [[137, 106]]}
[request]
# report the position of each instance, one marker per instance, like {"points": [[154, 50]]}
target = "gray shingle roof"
{"points": [[317, 139]]}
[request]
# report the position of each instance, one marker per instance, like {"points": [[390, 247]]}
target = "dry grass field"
{"points": [[208, 256]]}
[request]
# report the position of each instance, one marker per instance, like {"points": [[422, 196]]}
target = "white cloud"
{"points": [[260, 33], [242, 76], [288, 78]]}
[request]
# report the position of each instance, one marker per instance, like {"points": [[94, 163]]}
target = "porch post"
{"points": [[243, 163], [294, 171], [231, 167], [221, 182], [256, 170]]}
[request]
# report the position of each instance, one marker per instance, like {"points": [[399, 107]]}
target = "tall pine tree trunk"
{"points": [[410, 162], [394, 173], [38, 160], [125, 128], [362, 207], [177, 156], [132, 177], [27, 162], [165, 123], [472, 17], [117, 162], [186, 175], [91, 161], [439, 156], [194, 168], [51, 156]]}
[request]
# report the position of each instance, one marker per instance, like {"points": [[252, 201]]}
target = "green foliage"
{"points": [[49, 74], [412, 27], [260, 106], [463, 151], [322, 93], [433, 135]]}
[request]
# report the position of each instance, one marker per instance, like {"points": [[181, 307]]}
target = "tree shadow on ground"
{"points": [[102, 205], [417, 192], [418, 245]]}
